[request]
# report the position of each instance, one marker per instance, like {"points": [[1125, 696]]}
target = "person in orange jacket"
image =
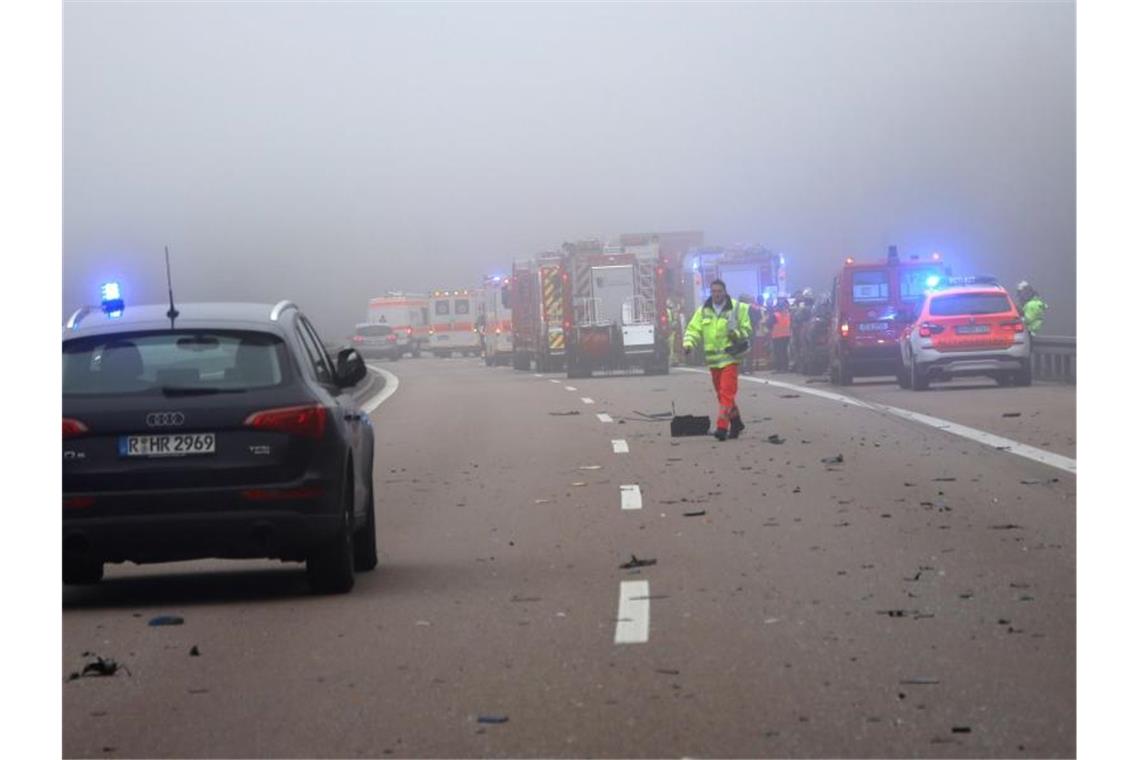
{"points": [[780, 327]]}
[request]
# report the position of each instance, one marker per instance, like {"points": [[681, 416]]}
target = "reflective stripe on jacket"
{"points": [[714, 332]]}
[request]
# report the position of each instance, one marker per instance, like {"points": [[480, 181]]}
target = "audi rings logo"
{"points": [[165, 419]]}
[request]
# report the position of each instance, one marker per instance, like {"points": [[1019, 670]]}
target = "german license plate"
{"points": [[972, 329], [166, 445], [873, 326]]}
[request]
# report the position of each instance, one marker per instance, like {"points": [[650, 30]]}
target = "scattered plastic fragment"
{"points": [[667, 672], [789, 395], [920, 681], [194, 651], [961, 729], [1011, 414], [166, 620], [697, 513], [1008, 526], [542, 501], [571, 413], [423, 622], [590, 467], [655, 415], [101, 667], [517, 598], [775, 438], [837, 459], [493, 718], [944, 480], [578, 484], [635, 562]]}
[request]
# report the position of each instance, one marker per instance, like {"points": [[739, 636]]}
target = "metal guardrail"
{"points": [[1054, 358]]}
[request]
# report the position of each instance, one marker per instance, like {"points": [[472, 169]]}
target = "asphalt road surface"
{"points": [[916, 599]]}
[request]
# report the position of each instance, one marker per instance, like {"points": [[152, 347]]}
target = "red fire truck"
{"points": [[592, 307]]}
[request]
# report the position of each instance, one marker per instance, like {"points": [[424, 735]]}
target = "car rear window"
{"points": [[870, 286], [961, 304], [373, 331], [173, 361]]}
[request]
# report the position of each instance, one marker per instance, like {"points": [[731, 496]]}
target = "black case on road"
{"points": [[688, 424]]}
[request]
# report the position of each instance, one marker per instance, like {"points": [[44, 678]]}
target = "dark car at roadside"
{"points": [[228, 431]]}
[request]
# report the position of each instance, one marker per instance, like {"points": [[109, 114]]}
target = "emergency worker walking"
{"points": [[723, 328], [780, 324], [1032, 307]]}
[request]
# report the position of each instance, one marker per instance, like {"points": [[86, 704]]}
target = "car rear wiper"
{"points": [[182, 390]]}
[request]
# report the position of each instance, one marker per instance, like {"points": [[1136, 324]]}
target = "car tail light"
{"points": [[409, 331], [1016, 325], [78, 502], [282, 494], [306, 421], [566, 325], [357, 338], [73, 428], [431, 331], [844, 329], [392, 338], [926, 329]]}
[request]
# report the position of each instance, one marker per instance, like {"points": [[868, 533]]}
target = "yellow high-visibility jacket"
{"points": [[715, 332]]}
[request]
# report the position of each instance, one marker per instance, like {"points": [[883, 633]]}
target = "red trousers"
{"points": [[725, 382]]}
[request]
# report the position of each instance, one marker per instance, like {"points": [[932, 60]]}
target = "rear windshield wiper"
{"points": [[177, 390]]}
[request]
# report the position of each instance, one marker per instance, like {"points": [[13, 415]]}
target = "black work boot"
{"points": [[737, 426], [720, 434]]}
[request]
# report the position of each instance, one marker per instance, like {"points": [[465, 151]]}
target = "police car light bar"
{"points": [[111, 299]]}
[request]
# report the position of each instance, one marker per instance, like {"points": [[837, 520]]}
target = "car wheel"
{"points": [[918, 378], [79, 571], [902, 374], [364, 542], [330, 567], [1024, 376]]}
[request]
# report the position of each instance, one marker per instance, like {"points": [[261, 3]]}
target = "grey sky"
{"points": [[326, 152]]}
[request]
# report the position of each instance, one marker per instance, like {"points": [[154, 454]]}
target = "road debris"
{"points": [[542, 501], [571, 413], [945, 480], [517, 598], [578, 483], [655, 415], [775, 438], [194, 651], [493, 719], [1011, 414], [960, 729], [667, 672], [789, 395], [166, 620], [101, 667], [837, 459], [590, 467], [635, 562], [920, 681], [698, 513], [1007, 526]]}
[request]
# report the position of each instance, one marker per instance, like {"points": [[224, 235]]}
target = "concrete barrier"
{"points": [[1054, 358]]}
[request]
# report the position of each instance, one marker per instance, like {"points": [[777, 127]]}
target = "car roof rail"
{"points": [[279, 307], [80, 313]]}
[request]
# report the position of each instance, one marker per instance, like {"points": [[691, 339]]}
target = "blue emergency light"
{"points": [[933, 280], [112, 299]]}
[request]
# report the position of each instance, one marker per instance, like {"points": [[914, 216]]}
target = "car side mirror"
{"points": [[350, 368]]}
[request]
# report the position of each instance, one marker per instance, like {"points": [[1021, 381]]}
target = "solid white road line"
{"points": [[631, 497], [633, 613], [391, 383], [973, 434], [605, 418], [587, 400], [620, 446]]}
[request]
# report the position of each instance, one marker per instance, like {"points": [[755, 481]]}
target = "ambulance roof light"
{"points": [[111, 298]]}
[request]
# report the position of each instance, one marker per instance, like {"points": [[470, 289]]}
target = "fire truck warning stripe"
{"points": [[633, 613], [630, 497]]}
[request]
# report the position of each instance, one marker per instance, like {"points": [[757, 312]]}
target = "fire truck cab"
{"points": [[452, 328], [872, 305]]}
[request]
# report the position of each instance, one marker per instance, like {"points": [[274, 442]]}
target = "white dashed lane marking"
{"points": [[605, 418], [587, 400], [633, 613], [620, 446], [631, 497]]}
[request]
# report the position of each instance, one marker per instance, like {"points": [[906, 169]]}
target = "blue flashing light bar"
{"points": [[111, 297]]}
